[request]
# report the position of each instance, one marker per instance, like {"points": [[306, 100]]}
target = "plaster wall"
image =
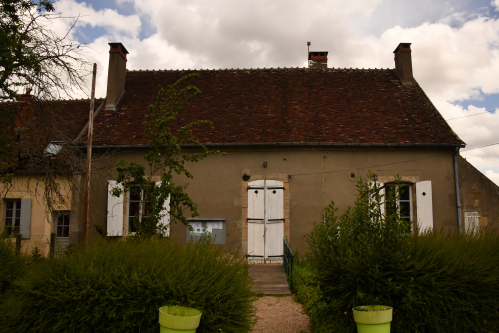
{"points": [[312, 178], [42, 224], [478, 194]]}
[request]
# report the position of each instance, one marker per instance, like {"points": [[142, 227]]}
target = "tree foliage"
{"points": [[34, 56], [164, 158], [48, 66]]}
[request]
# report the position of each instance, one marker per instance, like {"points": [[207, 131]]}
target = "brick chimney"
{"points": [[317, 59], [403, 63], [27, 109], [116, 75]]}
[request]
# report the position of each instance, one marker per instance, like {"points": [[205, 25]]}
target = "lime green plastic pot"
{"points": [[176, 319], [376, 319]]}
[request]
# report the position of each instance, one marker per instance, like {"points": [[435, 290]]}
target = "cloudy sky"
{"points": [[455, 45]]}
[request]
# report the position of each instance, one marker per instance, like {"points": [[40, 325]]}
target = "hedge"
{"points": [[435, 281], [119, 287]]}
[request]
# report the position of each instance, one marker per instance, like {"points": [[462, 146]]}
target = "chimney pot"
{"points": [[403, 63], [317, 59], [116, 75]]}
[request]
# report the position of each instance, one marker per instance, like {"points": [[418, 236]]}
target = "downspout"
{"points": [[458, 199]]}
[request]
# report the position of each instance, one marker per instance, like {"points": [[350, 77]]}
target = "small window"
{"points": [[472, 221], [403, 202], [62, 227], [12, 217]]}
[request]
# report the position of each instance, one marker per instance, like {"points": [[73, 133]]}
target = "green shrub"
{"points": [[120, 286], [308, 293], [11, 267], [436, 282]]}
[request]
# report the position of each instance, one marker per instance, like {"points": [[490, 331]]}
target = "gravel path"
{"points": [[280, 314]]}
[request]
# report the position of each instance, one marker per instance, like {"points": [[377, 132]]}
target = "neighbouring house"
{"points": [[296, 139], [38, 201]]}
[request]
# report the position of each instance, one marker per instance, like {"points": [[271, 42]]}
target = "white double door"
{"points": [[265, 219]]}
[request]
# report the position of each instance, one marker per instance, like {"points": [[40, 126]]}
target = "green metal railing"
{"points": [[288, 263]]}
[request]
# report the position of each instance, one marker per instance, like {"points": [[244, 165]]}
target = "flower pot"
{"points": [[176, 319], [373, 318]]}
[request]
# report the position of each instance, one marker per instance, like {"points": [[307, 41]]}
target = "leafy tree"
{"points": [[48, 66], [164, 159], [33, 56]]}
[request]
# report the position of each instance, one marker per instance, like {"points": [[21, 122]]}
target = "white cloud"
{"points": [[455, 52], [493, 175], [108, 18]]}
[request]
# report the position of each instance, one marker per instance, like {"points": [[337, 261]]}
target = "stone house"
{"points": [[296, 139]]}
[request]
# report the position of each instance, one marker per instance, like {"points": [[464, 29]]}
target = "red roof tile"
{"points": [[343, 106]]}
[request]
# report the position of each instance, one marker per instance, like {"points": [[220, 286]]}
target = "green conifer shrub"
{"points": [[120, 286], [435, 281]]}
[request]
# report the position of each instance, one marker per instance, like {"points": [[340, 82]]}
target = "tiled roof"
{"points": [[42, 123], [264, 106]]}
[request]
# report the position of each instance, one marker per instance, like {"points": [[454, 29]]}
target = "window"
{"points": [[17, 217], [62, 226], [12, 217], [136, 197], [472, 221], [120, 216], [410, 208], [403, 202]]}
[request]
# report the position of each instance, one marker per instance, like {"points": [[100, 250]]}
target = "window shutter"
{"points": [[371, 185], [256, 200], [114, 210], [382, 194], [165, 214], [25, 218], [424, 205], [275, 201]]}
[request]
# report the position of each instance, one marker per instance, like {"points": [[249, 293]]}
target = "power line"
{"points": [[387, 164], [491, 144], [471, 115]]}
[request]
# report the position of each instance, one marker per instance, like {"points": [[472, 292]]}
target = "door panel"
{"points": [[265, 218]]}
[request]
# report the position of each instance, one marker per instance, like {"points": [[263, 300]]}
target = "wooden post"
{"points": [[18, 244], [52, 245], [89, 160]]}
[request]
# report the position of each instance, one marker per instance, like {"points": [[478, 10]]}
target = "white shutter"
{"points": [[114, 210], [383, 199], [275, 203], [165, 214], [256, 214], [378, 185], [25, 222], [424, 205], [256, 200], [274, 211]]}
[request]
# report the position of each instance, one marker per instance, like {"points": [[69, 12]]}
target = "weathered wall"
{"points": [[313, 177], [478, 193], [42, 224]]}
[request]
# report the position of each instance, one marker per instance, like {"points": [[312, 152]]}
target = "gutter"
{"points": [[292, 144], [456, 181]]}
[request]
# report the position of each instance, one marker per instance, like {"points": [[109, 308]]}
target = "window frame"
{"points": [[142, 206], [13, 218], [410, 217], [57, 215]]}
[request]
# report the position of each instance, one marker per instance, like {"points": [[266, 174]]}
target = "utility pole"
{"points": [[89, 160]]}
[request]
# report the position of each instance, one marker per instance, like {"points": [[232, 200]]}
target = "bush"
{"points": [[11, 266], [436, 282], [308, 293], [120, 286]]}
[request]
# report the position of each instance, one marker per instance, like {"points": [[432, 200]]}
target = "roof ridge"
{"points": [[257, 69]]}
